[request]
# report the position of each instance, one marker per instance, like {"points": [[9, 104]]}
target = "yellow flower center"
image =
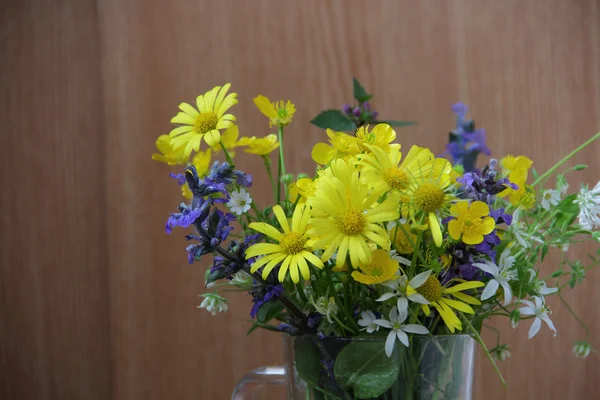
{"points": [[292, 243], [429, 197], [431, 289], [396, 178], [351, 222], [206, 122]]}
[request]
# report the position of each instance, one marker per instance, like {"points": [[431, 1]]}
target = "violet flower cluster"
{"points": [[465, 141]]}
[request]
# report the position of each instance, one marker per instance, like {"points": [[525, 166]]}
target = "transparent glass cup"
{"points": [[434, 367]]}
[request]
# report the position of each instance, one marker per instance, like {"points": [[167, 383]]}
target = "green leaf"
{"points": [[364, 367], [556, 274], [596, 236], [580, 167], [391, 122], [269, 311], [333, 119], [268, 327], [360, 94], [544, 251], [307, 360]]}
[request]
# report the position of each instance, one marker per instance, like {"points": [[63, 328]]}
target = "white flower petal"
{"points": [[384, 323], [402, 337], [420, 279], [389, 343], [418, 298], [414, 328], [547, 320], [490, 289], [488, 267], [386, 296], [535, 327], [507, 294], [402, 304]]}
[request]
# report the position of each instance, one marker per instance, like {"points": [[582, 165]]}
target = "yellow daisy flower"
{"points": [[472, 222], [279, 113], [168, 154], [204, 122], [291, 249], [304, 187], [381, 269], [261, 146], [382, 136], [429, 195], [202, 163], [383, 170], [441, 298], [345, 215], [341, 145]]}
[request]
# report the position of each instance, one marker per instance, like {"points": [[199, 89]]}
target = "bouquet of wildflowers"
{"points": [[379, 239]]}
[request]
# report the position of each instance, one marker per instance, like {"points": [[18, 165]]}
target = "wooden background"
{"points": [[96, 302]]}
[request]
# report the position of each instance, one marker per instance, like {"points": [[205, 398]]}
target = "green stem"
{"points": [[413, 244], [267, 162], [485, 349], [281, 169], [339, 303], [587, 331], [497, 333], [565, 159], [227, 156]]}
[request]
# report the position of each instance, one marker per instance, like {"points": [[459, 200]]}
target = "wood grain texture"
{"points": [[98, 303]]}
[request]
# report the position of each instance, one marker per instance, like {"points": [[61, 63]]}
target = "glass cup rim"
{"points": [[381, 338]]}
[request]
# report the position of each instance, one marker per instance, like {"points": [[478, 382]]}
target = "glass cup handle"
{"points": [[255, 382]]}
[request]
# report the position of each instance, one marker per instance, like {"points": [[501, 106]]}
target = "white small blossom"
{"points": [[501, 353], [213, 303], [550, 198], [540, 311], [326, 306], [239, 202], [367, 321], [501, 275], [582, 349], [241, 279], [400, 290], [539, 287], [518, 229], [398, 329], [589, 207], [396, 257]]}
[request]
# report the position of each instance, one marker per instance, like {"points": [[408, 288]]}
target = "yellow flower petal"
{"points": [[322, 153], [436, 231], [478, 209], [266, 229], [212, 138], [264, 106], [463, 286], [458, 305], [281, 218]]}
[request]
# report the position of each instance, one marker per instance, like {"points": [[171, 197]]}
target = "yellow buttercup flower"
{"points": [[441, 298], [429, 195], [169, 154], [291, 249], [205, 122], [261, 146], [341, 145], [382, 136], [383, 171], [472, 222], [517, 169], [381, 269], [346, 215], [202, 163], [304, 187], [279, 112]]}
